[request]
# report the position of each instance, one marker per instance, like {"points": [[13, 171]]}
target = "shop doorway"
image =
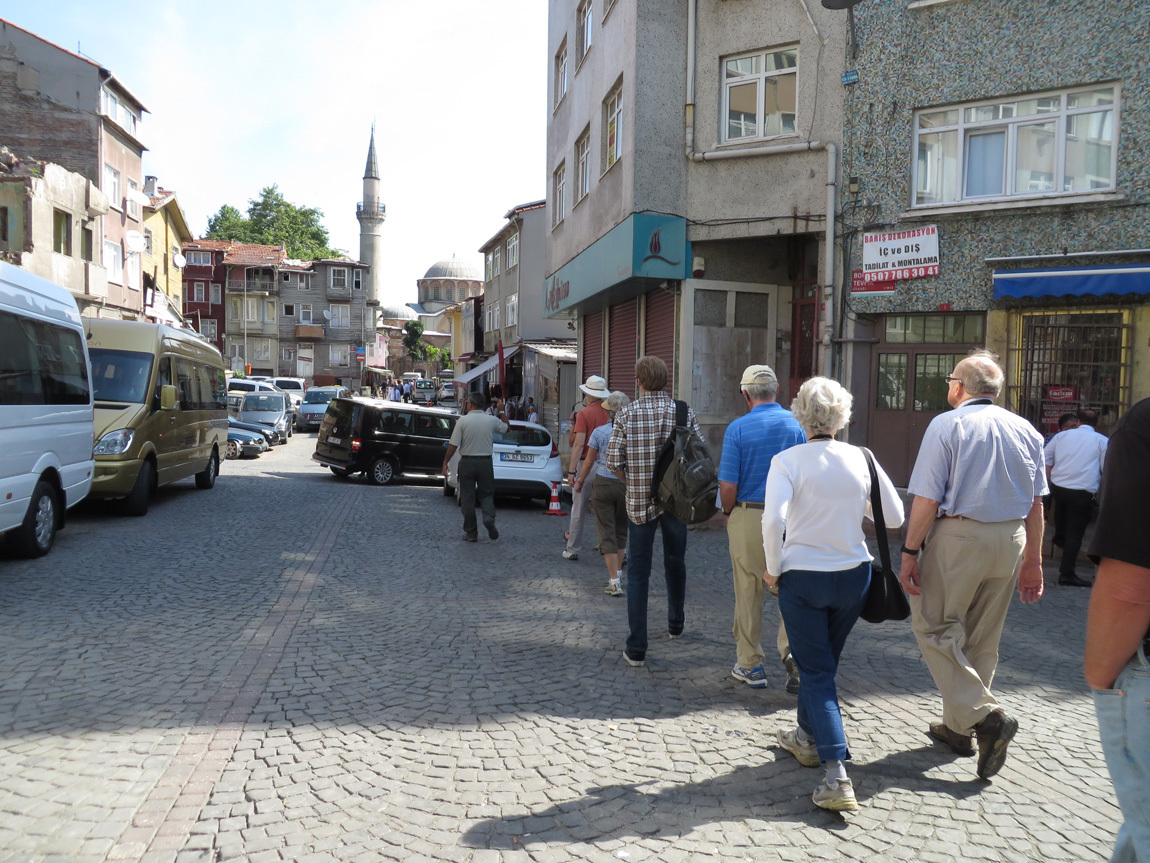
{"points": [[908, 378]]}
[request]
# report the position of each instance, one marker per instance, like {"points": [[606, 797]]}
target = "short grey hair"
{"points": [[762, 392], [823, 406], [477, 400], [616, 401], [980, 374]]}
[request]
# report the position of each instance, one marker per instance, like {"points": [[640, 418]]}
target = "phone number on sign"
{"points": [[899, 275]]}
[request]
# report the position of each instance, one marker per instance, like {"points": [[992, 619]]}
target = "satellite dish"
{"points": [[134, 240], [179, 260], [327, 314]]}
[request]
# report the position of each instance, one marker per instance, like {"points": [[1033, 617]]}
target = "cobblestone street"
{"points": [[295, 667]]}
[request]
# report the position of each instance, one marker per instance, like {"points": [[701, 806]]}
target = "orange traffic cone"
{"points": [[553, 508]]}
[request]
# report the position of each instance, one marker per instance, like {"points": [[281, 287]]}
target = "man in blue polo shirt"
{"points": [[749, 444]]}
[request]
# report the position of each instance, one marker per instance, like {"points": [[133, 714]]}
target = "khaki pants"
{"points": [[968, 572], [745, 540]]}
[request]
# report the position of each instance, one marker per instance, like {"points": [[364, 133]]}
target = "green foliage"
{"points": [[442, 356], [273, 220], [417, 348]]}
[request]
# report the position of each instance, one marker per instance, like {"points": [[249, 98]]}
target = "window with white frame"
{"points": [[304, 282], [112, 187], [341, 315], [133, 206], [559, 194], [487, 319], [252, 312], [262, 351], [199, 259], [269, 311], [760, 94], [147, 241], [583, 28], [613, 127], [340, 355], [357, 280], [197, 292], [339, 277], [305, 313], [114, 262], [288, 355], [208, 328], [1058, 143], [583, 165], [495, 316], [513, 310], [236, 349], [513, 250], [561, 72], [495, 261], [132, 271], [117, 110], [234, 309], [214, 294]]}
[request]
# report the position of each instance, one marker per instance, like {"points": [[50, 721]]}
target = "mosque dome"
{"points": [[452, 269], [397, 312]]}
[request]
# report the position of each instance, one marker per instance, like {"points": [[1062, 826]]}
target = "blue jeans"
{"points": [[820, 609], [1124, 723], [640, 543]]}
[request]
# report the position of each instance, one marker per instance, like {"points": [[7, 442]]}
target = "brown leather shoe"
{"points": [[960, 744], [994, 734]]}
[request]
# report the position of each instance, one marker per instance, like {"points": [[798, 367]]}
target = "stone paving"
{"points": [[296, 667]]}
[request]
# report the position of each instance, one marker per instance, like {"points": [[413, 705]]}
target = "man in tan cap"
{"points": [[590, 417], [750, 442]]}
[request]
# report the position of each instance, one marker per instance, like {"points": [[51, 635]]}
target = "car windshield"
{"points": [[318, 397], [524, 436], [264, 402], [120, 376]]}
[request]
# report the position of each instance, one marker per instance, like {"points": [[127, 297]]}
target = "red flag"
{"points": [[502, 369]]}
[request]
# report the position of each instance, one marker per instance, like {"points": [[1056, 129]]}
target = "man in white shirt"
{"points": [[1074, 460]]}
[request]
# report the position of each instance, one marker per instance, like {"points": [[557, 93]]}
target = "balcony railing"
{"points": [[252, 286], [371, 208]]}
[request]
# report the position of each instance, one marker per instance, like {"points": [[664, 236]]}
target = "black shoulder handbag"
{"points": [[884, 598]]}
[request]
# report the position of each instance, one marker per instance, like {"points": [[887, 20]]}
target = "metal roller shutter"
{"points": [[659, 332], [593, 345], [622, 334]]}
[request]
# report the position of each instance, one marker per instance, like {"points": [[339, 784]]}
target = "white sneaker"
{"points": [[613, 588], [806, 753], [839, 797], [569, 555]]}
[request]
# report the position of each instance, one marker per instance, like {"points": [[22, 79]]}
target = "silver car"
{"points": [[314, 404], [267, 409]]}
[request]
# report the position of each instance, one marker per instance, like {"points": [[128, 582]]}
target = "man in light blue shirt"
{"points": [[750, 442], [977, 520]]}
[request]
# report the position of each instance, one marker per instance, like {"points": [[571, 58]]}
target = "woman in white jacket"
{"points": [[818, 494]]}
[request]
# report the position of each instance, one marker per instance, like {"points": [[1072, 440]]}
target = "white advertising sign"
{"points": [[899, 255]]}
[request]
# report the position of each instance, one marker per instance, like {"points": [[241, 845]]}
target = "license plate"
{"points": [[516, 456], [334, 440]]}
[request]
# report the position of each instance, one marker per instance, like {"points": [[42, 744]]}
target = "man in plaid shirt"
{"points": [[640, 431]]}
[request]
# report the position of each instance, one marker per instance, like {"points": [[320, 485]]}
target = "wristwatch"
{"points": [[913, 552]]}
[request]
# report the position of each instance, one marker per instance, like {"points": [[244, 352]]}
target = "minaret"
{"points": [[371, 212]]}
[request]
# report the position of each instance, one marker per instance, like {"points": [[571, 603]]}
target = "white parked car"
{"points": [[294, 387], [526, 462]]}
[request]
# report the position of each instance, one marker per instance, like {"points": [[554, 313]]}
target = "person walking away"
{"points": [[589, 418], [749, 444], [977, 521], [638, 436], [1117, 661], [474, 438], [608, 495], [815, 551], [1074, 462], [407, 392]]}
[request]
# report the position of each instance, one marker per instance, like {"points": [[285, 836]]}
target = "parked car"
{"points": [[294, 387], [270, 435], [250, 385], [525, 460], [446, 392], [160, 409], [315, 401], [269, 409], [245, 444], [423, 391], [382, 439], [46, 414]]}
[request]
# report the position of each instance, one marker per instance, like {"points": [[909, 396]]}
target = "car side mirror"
{"points": [[169, 397]]}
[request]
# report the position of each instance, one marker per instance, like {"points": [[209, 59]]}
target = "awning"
{"points": [[558, 352], [1073, 281], [387, 372], [485, 366]]}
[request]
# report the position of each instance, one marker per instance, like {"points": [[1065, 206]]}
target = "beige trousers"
{"points": [[745, 541], [968, 570]]}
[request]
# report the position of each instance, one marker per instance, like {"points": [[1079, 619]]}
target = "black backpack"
{"points": [[685, 482]]}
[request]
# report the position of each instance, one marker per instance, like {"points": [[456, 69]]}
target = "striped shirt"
{"points": [[751, 441], [640, 431]]}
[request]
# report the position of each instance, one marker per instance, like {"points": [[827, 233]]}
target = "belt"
{"points": [[749, 504], [476, 456]]}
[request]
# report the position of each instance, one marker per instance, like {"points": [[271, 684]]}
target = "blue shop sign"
{"points": [[644, 245]]}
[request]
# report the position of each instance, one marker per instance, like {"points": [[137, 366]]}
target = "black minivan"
{"points": [[382, 439]]}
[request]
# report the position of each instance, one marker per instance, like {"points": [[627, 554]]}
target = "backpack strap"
{"points": [[680, 413]]}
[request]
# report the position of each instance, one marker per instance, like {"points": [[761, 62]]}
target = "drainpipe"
{"points": [[828, 293]]}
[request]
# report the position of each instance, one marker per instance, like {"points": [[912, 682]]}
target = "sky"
{"points": [[250, 93]]}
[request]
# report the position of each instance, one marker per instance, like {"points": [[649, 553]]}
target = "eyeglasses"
{"points": [[950, 379]]}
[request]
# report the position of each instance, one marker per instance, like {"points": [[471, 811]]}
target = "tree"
{"points": [[413, 340], [272, 220]]}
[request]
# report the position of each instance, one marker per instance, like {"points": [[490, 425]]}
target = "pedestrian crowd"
{"points": [[795, 498]]}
